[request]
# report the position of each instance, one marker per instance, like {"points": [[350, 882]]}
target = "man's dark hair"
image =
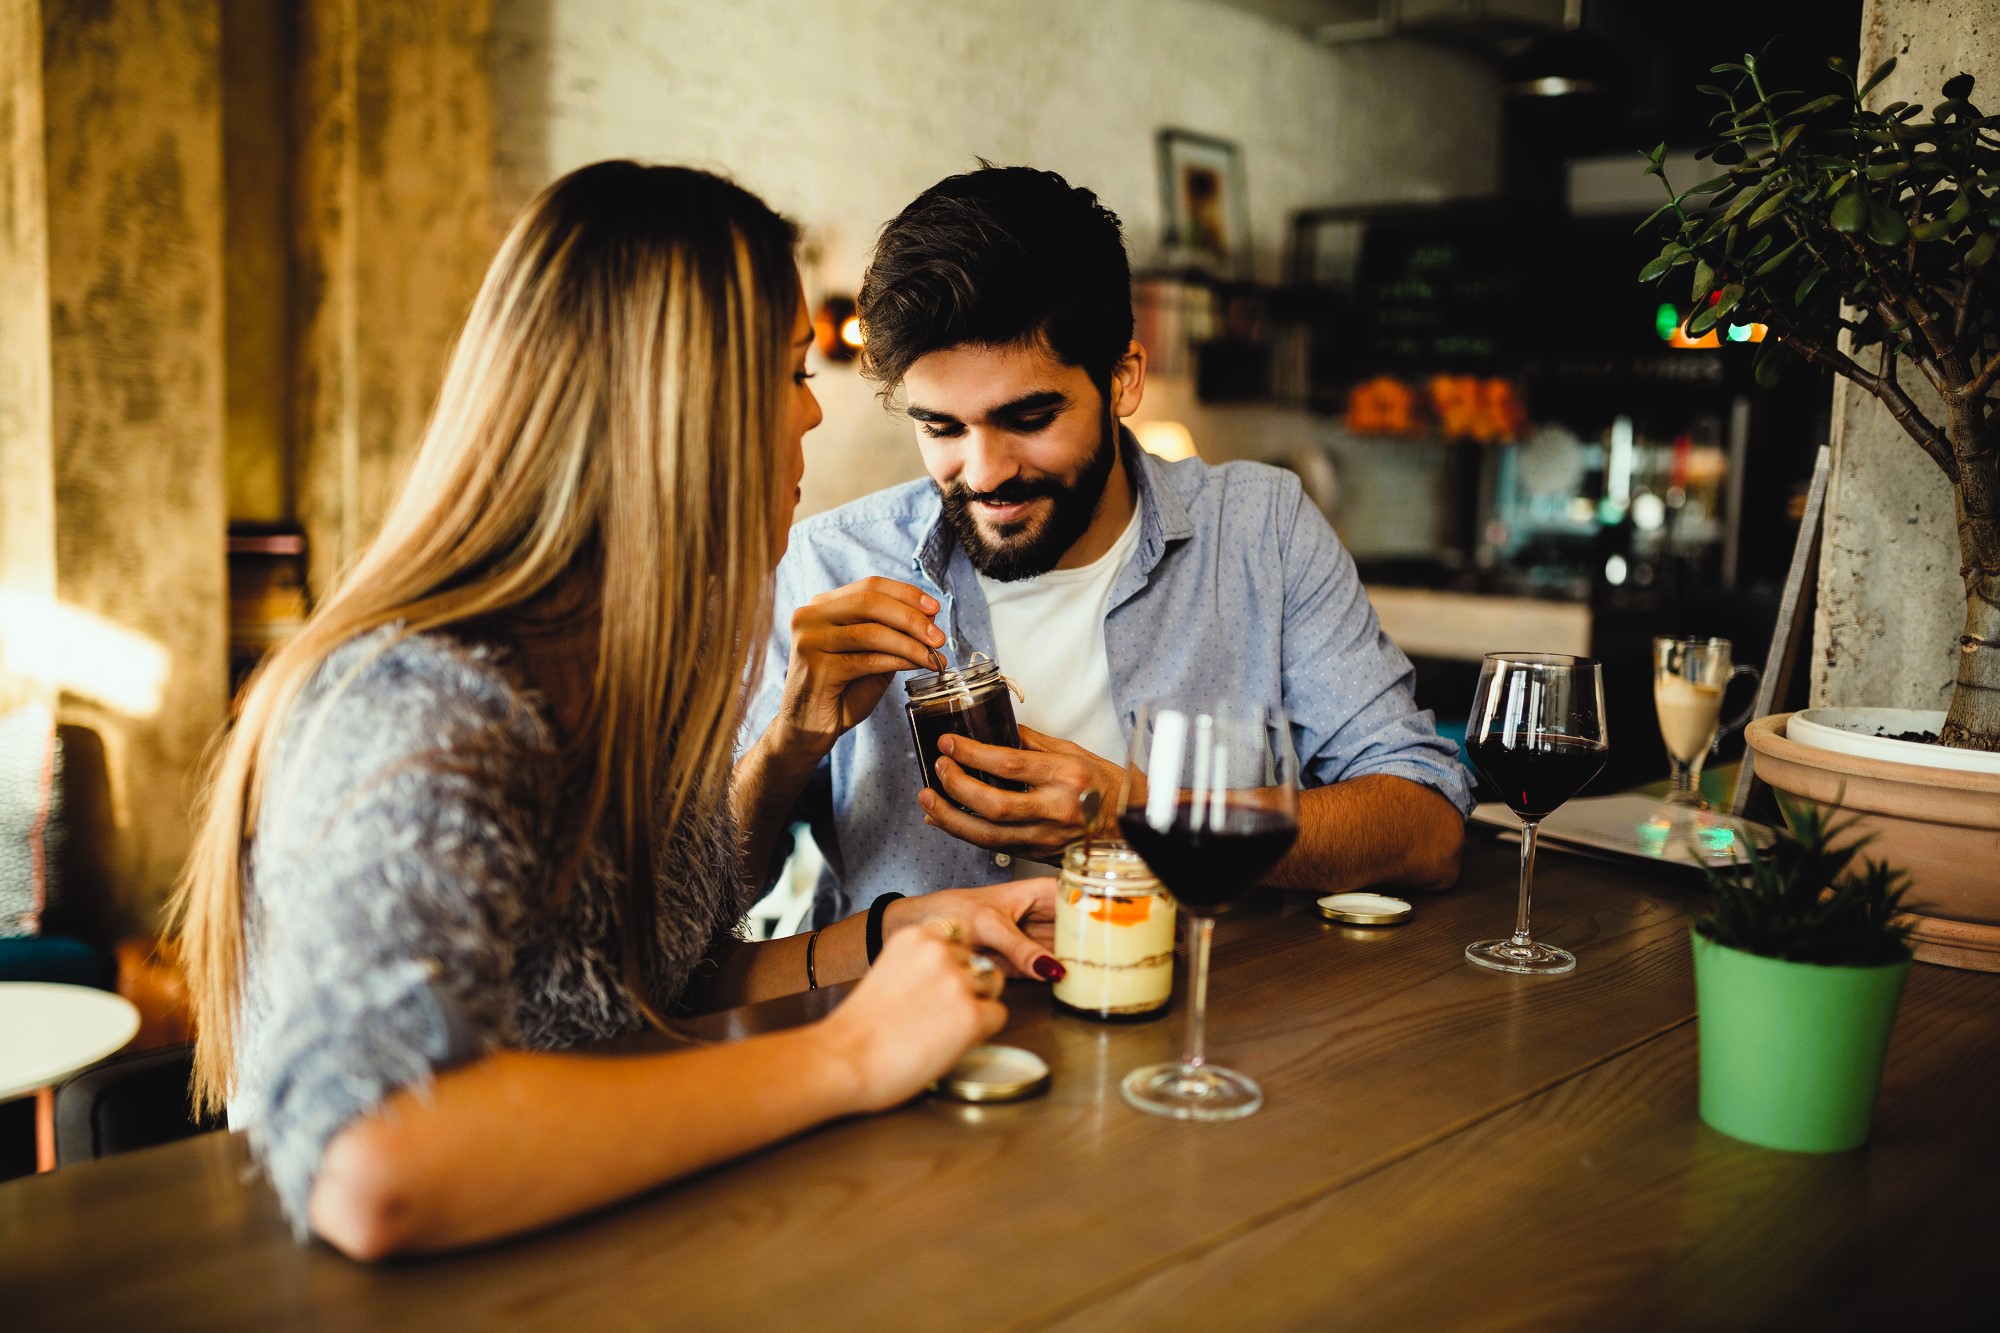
{"points": [[994, 257]]}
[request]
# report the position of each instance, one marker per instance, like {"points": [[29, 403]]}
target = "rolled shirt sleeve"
{"points": [[1348, 689]]}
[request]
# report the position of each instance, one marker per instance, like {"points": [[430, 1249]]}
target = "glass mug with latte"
{"points": [[1689, 678]]}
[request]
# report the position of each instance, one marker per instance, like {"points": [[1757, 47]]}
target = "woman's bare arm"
{"points": [[517, 1140]]}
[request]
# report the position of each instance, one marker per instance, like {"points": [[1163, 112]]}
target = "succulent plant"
{"points": [[1805, 901]]}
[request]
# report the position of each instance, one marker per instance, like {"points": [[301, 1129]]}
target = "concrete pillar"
{"points": [[133, 144], [1890, 601], [257, 54], [392, 212], [27, 464]]}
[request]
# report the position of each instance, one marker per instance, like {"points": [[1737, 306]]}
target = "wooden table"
{"points": [[1441, 1147]]}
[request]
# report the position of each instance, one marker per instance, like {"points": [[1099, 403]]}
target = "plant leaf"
{"points": [[1772, 264], [1981, 251], [1805, 287], [1850, 215], [1704, 281], [1886, 225], [1656, 269], [1767, 209], [1813, 107], [1882, 71], [1959, 87]]}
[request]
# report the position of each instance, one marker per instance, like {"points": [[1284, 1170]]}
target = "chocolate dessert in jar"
{"points": [[971, 700], [1114, 934]]}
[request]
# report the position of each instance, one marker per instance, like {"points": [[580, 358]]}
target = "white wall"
{"points": [[839, 112]]}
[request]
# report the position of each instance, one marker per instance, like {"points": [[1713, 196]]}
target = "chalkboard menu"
{"points": [[1447, 292]]}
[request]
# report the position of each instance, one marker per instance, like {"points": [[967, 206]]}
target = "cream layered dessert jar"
{"points": [[1114, 934]]}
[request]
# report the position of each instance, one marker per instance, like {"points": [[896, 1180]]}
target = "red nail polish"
{"points": [[1048, 969]]}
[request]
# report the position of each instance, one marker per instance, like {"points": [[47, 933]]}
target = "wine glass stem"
{"points": [[1530, 829], [1204, 927], [1683, 781]]}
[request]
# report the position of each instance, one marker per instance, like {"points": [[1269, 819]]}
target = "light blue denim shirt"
{"points": [[1239, 588]]}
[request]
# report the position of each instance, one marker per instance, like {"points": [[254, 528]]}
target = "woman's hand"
{"points": [[1037, 823], [912, 1016], [1016, 922], [847, 645]]}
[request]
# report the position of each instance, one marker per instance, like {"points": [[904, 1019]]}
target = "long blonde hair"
{"points": [[609, 420]]}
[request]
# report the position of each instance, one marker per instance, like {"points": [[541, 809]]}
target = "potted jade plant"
{"points": [[1798, 972], [1863, 240]]}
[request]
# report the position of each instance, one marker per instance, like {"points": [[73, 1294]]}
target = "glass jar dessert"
{"points": [[1114, 934], [970, 700]]}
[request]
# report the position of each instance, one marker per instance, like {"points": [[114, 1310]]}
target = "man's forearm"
{"points": [[763, 792], [1373, 831]]}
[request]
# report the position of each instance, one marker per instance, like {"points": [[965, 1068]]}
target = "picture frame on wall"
{"points": [[1206, 213]]}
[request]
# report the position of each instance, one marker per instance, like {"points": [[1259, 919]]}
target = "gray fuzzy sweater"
{"points": [[391, 891]]}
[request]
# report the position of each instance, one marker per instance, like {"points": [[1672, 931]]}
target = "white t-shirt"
{"points": [[1048, 634]]}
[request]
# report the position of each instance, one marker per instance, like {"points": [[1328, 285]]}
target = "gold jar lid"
{"points": [[1111, 866], [995, 1074], [1365, 909]]}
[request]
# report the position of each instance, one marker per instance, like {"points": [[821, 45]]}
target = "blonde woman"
{"points": [[477, 813]]}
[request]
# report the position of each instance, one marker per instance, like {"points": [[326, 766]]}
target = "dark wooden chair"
{"points": [[127, 1102]]}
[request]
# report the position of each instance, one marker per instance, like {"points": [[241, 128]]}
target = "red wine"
{"points": [[1536, 774], [1205, 867]]}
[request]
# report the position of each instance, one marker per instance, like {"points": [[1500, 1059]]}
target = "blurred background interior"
{"points": [[1387, 244]]}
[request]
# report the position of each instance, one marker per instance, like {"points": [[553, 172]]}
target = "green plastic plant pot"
{"points": [[1791, 1053]]}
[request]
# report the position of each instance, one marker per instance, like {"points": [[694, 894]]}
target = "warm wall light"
{"points": [[837, 329], [63, 648], [1165, 439]]}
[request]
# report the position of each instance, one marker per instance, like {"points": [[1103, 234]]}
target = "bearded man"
{"points": [[998, 313]]}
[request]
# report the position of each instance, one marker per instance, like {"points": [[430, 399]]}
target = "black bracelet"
{"points": [[812, 947], [875, 911]]}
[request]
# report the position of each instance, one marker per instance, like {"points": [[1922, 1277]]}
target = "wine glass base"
{"points": [[1192, 1092], [1530, 959]]}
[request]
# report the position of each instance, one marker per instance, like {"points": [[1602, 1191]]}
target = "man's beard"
{"points": [[1018, 554]]}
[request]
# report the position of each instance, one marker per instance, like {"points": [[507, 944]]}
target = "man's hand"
{"points": [[1037, 823], [846, 646]]}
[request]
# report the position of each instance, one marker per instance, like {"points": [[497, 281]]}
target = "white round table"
{"points": [[48, 1032]]}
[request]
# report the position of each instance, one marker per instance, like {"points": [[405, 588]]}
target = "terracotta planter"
{"points": [[1941, 825]]}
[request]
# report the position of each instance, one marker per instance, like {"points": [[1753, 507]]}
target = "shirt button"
{"points": [[1002, 860]]}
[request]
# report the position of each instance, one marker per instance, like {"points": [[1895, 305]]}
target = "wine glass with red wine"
{"points": [[1211, 803], [1537, 736]]}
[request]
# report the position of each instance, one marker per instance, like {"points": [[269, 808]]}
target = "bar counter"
{"points": [[1440, 1147]]}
